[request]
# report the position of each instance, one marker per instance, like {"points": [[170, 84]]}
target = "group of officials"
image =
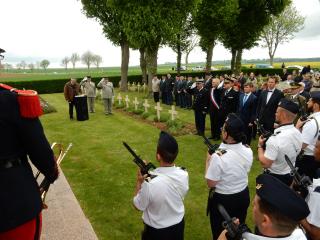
{"points": [[277, 208]]}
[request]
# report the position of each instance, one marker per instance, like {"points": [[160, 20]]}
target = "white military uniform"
{"points": [[297, 234], [313, 201], [310, 133], [230, 169], [286, 140], [161, 199]]}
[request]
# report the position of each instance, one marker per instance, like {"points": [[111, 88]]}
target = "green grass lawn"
{"points": [[102, 174]]}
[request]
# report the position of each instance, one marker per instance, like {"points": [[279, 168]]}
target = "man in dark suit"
{"points": [[22, 138], [247, 109], [267, 104], [200, 105], [229, 100], [214, 107]]}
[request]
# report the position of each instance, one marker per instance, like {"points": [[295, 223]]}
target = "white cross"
{"points": [[127, 100], [119, 98], [139, 86], [159, 109], [146, 105], [173, 112], [136, 103]]}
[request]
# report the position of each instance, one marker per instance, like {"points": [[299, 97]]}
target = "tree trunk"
{"points": [[271, 60], [238, 62], [186, 59], [233, 59], [209, 57], [151, 59], [143, 64], [125, 52], [178, 56]]}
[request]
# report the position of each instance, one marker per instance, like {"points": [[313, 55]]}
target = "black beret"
{"points": [[281, 197], [167, 143], [88, 76], [315, 95], [289, 105], [235, 125]]}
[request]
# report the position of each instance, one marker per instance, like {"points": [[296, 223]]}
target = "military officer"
{"points": [[22, 137]]}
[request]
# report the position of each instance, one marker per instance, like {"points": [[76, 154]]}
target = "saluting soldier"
{"points": [[292, 93], [22, 137], [229, 100], [227, 175], [200, 105], [161, 198]]}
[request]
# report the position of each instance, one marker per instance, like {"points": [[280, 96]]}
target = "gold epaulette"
{"points": [[220, 152]]}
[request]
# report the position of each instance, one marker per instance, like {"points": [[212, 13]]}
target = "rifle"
{"points": [[263, 132], [144, 168], [234, 231], [301, 181], [211, 147]]}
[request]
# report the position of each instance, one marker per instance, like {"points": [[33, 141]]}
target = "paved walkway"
{"points": [[64, 218]]}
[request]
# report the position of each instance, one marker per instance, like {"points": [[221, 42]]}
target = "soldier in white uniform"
{"points": [[286, 140], [161, 198], [89, 90], [277, 210], [310, 131], [227, 172]]}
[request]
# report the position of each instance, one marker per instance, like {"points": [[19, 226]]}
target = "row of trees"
{"points": [[88, 58], [23, 65], [181, 24]]}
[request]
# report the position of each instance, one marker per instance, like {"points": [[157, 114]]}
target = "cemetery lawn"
{"points": [[102, 174]]}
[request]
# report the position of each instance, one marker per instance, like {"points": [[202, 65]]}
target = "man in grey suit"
{"points": [[107, 93]]}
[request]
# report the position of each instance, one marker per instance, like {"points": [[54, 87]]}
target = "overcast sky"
{"points": [[34, 30]]}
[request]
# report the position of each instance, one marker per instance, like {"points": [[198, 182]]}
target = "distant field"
{"points": [[60, 73]]}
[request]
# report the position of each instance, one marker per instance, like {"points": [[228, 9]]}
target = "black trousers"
{"points": [[175, 232], [156, 96], [248, 133], [235, 204], [71, 106], [200, 121], [308, 166], [286, 178], [215, 126]]}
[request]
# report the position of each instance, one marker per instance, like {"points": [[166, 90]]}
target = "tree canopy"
{"points": [[281, 29]]}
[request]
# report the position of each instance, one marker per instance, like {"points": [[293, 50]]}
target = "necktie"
{"points": [[245, 98]]}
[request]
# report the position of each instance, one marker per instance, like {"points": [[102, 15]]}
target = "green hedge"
{"points": [[56, 85]]}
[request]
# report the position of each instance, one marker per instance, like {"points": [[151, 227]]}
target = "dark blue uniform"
{"points": [[200, 106], [21, 138]]}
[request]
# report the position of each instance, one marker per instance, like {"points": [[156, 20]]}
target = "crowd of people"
{"points": [[288, 125]]}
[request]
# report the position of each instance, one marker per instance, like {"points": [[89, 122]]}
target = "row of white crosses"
{"points": [[133, 87], [146, 105]]}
